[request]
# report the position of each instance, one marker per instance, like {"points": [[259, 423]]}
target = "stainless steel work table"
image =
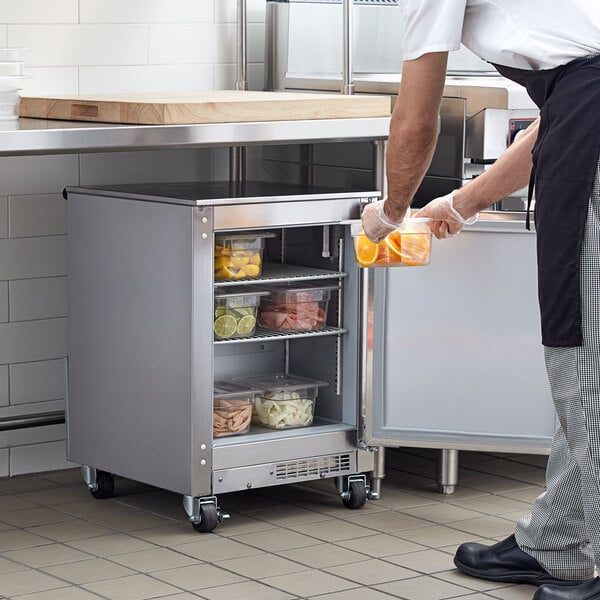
{"points": [[40, 136]]}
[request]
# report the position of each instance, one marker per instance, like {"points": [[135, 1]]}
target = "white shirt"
{"points": [[527, 34]]}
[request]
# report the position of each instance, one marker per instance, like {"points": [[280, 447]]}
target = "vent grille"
{"points": [[313, 467]]}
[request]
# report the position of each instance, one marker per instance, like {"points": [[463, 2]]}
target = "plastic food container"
{"points": [[286, 401], [235, 312], [295, 308], [10, 100], [410, 247], [232, 408], [240, 255]]}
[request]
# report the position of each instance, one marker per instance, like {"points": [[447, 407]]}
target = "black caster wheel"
{"points": [[358, 495], [106, 485], [209, 518]]}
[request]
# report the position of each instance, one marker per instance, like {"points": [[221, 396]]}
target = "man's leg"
{"points": [[555, 531]]}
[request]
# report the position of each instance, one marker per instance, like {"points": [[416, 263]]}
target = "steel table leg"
{"points": [[447, 471]]}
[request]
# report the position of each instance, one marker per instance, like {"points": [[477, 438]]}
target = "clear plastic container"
{"points": [[235, 312], [10, 101], [12, 55], [232, 408], [295, 308], [287, 401], [239, 255], [11, 81], [410, 247]]}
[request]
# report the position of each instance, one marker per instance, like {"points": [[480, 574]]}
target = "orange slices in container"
{"points": [[366, 251], [409, 247]]}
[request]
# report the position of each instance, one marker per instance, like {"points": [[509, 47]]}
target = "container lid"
{"points": [[223, 388], [307, 292], [248, 235], [239, 292], [279, 382], [411, 225]]}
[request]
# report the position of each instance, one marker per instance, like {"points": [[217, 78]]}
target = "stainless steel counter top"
{"points": [[40, 136]]}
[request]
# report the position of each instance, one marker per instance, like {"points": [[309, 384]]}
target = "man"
{"points": [[553, 49]]}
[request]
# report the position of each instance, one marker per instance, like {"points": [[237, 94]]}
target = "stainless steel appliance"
{"points": [[143, 356], [304, 40]]}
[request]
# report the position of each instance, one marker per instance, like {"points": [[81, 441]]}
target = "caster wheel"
{"points": [[358, 495], [209, 518], [106, 485]]}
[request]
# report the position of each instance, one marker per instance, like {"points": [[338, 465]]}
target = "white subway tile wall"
{"points": [[90, 47], [3, 217], [3, 301], [44, 298], [4, 385], [39, 11], [37, 381], [43, 214]]}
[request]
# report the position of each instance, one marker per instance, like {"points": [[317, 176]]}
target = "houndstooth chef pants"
{"points": [[563, 530]]}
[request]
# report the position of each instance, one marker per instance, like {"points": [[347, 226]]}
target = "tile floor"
{"points": [[287, 542]]}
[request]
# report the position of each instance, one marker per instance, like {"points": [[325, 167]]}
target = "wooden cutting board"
{"points": [[229, 106]]}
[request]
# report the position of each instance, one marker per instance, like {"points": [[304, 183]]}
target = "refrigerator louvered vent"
{"points": [[313, 467]]}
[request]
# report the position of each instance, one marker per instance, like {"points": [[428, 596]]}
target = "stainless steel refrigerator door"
{"points": [[457, 361]]}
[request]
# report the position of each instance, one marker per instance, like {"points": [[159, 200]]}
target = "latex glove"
{"points": [[445, 220], [375, 222]]}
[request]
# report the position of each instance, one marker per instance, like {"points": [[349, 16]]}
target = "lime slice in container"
{"points": [[246, 325], [225, 326]]}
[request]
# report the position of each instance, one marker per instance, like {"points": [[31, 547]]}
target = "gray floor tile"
{"points": [[423, 588], [44, 556], [370, 572], [382, 544], [211, 548], [197, 577], [28, 582], [310, 583], [247, 590], [88, 571], [324, 555], [262, 565], [133, 587]]}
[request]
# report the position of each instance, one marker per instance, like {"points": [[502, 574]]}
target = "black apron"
{"points": [[565, 158]]}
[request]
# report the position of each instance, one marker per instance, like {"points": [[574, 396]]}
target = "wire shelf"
{"points": [[264, 335], [273, 272]]}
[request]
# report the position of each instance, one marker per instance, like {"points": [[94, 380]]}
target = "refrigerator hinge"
{"points": [[362, 445]]}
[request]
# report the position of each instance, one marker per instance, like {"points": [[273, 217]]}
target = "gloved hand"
{"points": [[375, 222], [445, 220]]}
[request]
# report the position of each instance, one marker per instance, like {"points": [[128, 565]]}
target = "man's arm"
{"points": [[412, 141], [413, 129], [509, 173]]}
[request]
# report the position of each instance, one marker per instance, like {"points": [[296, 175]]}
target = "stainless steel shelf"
{"points": [[263, 335], [260, 434], [277, 272]]}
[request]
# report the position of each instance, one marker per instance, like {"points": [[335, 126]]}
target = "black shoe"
{"points": [[505, 562], [588, 590]]}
